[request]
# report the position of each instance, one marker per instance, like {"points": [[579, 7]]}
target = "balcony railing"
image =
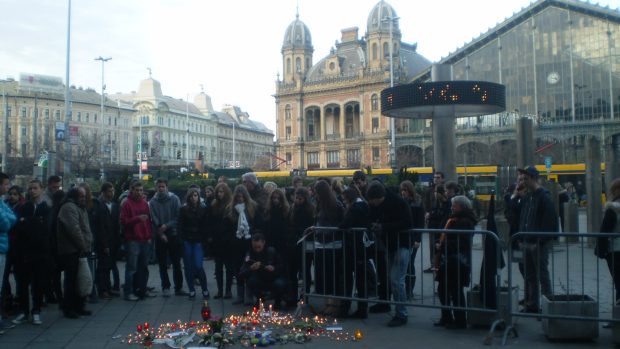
{"points": [[350, 135], [332, 136], [354, 164], [333, 164], [313, 166]]}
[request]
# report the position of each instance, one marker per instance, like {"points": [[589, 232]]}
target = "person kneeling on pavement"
{"points": [[262, 271]]}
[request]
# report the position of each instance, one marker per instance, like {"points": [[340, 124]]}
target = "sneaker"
{"points": [[397, 321], [20, 319], [180, 293], [429, 270], [131, 297], [150, 294], [6, 325], [205, 294], [166, 292], [36, 319], [218, 295], [379, 308], [192, 294]]}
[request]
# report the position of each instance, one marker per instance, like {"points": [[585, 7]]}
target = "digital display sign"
{"points": [[466, 98]]}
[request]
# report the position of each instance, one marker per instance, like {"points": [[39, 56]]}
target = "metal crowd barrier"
{"points": [[353, 265], [565, 286]]}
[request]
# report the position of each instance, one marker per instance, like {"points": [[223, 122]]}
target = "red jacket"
{"points": [[134, 229]]}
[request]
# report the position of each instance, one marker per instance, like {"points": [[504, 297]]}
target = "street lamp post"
{"points": [[233, 150], [187, 125], [140, 117], [67, 160], [103, 60], [5, 123]]}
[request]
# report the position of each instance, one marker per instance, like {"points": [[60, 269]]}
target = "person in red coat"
{"points": [[136, 222]]}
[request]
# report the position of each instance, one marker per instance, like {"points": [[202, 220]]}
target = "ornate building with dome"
{"points": [[328, 113]]}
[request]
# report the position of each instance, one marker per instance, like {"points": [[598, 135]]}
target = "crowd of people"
{"points": [[259, 237]]}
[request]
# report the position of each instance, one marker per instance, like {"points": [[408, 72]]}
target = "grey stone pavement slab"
{"points": [[113, 320], [117, 317]]}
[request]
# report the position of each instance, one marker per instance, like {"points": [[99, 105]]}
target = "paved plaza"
{"points": [[113, 320]]}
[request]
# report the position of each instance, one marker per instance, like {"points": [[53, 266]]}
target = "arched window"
{"points": [[298, 65], [307, 63], [386, 50], [288, 65], [374, 102], [374, 51]]}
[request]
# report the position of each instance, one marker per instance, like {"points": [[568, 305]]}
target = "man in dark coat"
{"points": [[537, 214], [391, 218], [106, 213]]}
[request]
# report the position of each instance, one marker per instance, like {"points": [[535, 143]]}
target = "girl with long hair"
{"points": [[191, 226], [328, 245], [222, 240], [244, 220], [302, 218]]}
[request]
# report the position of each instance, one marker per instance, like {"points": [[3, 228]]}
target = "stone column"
{"points": [[612, 166], [593, 183], [444, 138], [525, 142], [322, 125], [341, 118]]}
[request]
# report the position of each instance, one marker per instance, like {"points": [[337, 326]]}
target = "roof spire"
{"points": [[150, 72], [297, 14]]}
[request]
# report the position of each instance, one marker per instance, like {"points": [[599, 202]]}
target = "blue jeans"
{"points": [[399, 262], [136, 269], [192, 261]]}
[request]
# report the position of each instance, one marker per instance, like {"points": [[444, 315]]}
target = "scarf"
{"points": [[243, 228]]}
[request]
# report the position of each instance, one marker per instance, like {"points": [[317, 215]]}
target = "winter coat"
{"points": [[455, 249], [537, 214], [32, 241], [192, 224], [268, 256], [394, 216], [73, 230], [107, 226], [610, 224]]}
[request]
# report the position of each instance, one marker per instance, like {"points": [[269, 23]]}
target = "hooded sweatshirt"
{"points": [[165, 209], [134, 229]]}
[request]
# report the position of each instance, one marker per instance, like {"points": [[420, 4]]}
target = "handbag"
{"points": [[84, 278]]}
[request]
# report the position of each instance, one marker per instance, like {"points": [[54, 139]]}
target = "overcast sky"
{"points": [[232, 47]]}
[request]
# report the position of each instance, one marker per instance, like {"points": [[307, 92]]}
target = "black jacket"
{"points": [[268, 256], [32, 238], [277, 229], [356, 216], [106, 223], [192, 224], [537, 214], [394, 216]]}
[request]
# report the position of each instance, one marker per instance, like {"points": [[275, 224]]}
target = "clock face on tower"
{"points": [[553, 78]]}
